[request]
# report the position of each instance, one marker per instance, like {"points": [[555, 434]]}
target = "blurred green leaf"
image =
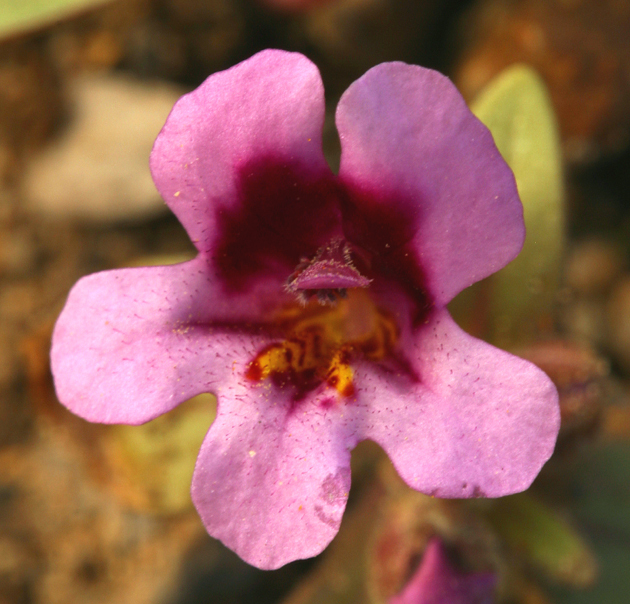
{"points": [[153, 463], [544, 539], [515, 305], [601, 488], [17, 16], [599, 484]]}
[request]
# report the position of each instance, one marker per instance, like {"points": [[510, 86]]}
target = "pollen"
{"points": [[340, 375], [322, 343]]}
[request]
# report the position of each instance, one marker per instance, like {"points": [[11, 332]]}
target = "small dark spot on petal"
{"points": [[478, 492]]}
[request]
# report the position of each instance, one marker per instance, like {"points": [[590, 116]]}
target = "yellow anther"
{"points": [[321, 342], [340, 374]]}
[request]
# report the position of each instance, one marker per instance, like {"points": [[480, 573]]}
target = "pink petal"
{"points": [[240, 162], [132, 344], [427, 176], [273, 475], [473, 421]]}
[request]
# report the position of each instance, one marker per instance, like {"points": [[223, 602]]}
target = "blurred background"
{"points": [[100, 514]]}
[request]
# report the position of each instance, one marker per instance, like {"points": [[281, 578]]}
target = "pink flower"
{"points": [[437, 582], [315, 309]]}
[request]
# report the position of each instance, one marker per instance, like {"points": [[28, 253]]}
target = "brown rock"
{"points": [[30, 102], [593, 266], [96, 38], [98, 169], [354, 35], [578, 374], [91, 549], [582, 50], [618, 317], [188, 39], [20, 564], [584, 320]]}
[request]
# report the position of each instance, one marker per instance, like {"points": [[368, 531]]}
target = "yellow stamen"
{"points": [[321, 342]]}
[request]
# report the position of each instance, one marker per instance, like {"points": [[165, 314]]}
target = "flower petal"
{"points": [[273, 475], [424, 171], [437, 582], [240, 162], [131, 344], [476, 421]]}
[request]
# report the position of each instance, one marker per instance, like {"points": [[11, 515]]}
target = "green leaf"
{"points": [[598, 481], [544, 539], [153, 463], [517, 302], [18, 16]]}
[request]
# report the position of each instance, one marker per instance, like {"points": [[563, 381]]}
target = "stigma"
{"points": [[327, 276]]}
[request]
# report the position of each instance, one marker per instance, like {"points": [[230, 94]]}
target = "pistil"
{"points": [[327, 276]]}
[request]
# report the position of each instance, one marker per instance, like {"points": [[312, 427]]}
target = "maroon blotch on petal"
{"points": [[284, 211], [383, 224]]}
